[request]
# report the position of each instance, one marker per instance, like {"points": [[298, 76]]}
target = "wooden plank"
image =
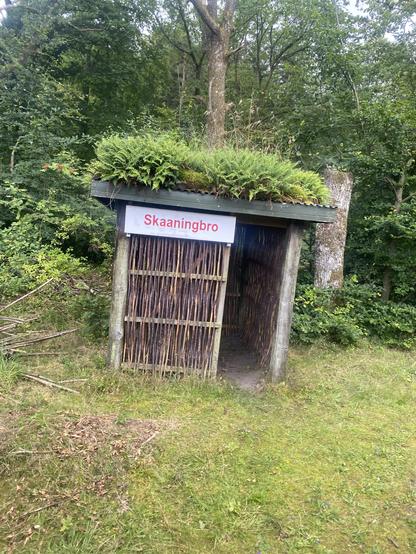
{"points": [[118, 300], [220, 312], [154, 273], [161, 368], [280, 339], [163, 321], [209, 202]]}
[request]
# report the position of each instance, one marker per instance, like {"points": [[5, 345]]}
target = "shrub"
{"points": [[346, 315], [49, 225], [93, 311]]}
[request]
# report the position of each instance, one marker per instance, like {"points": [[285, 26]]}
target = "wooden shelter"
{"points": [[185, 277]]}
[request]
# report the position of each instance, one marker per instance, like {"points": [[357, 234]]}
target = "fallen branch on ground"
{"points": [[24, 353], [30, 452], [73, 381], [47, 382], [13, 346], [14, 342], [149, 439], [36, 510], [34, 291]]}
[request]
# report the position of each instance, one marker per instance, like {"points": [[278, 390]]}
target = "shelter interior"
{"points": [[251, 301]]}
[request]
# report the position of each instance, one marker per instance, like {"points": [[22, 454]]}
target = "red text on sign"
{"points": [[182, 223]]}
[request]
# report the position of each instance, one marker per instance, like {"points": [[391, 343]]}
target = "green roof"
{"points": [[166, 162]]}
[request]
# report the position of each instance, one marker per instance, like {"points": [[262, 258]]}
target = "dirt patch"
{"points": [[99, 449], [239, 365], [84, 437], [89, 434]]}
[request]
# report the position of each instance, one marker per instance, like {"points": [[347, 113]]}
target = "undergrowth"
{"points": [[346, 316], [165, 161]]}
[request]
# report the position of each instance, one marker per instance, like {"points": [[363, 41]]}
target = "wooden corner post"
{"points": [[118, 298], [288, 278], [220, 311]]}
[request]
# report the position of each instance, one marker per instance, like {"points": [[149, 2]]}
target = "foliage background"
{"points": [[313, 81]]}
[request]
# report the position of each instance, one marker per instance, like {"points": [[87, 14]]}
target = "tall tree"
{"points": [[218, 29]]}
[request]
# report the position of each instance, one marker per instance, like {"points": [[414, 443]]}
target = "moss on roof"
{"points": [[165, 161]]}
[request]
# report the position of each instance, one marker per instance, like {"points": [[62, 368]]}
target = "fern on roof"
{"points": [[165, 161]]}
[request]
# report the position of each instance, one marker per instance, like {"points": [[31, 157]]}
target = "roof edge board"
{"points": [[105, 190]]}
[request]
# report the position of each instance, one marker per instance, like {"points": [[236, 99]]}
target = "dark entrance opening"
{"points": [[251, 303]]}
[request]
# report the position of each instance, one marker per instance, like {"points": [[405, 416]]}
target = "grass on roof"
{"points": [[166, 161]]}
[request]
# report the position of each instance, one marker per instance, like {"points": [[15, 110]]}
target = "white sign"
{"points": [[141, 220]]}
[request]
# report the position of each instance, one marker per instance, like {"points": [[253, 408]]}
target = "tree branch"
{"points": [[235, 50], [229, 10], [279, 56], [206, 16], [243, 25], [9, 5], [170, 40], [187, 32], [409, 197]]}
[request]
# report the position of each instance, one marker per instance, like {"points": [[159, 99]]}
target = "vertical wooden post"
{"points": [[118, 299], [289, 272], [220, 311]]}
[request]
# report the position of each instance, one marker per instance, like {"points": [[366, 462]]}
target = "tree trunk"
{"points": [[217, 39], [388, 271], [330, 239], [387, 284], [217, 69]]}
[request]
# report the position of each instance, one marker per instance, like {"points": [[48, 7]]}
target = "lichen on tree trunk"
{"points": [[330, 238], [217, 39], [217, 68]]}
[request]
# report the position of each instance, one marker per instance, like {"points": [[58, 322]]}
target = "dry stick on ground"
{"points": [[36, 510], [393, 542], [3, 308], [12, 344], [47, 382], [149, 439], [30, 452], [73, 381], [30, 340], [23, 353]]}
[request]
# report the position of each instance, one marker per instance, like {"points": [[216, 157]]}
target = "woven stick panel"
{"points": [[172, 304], [261, 277], [234, 283]]}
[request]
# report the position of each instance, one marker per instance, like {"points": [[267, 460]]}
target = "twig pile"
{"points": [[13, 340]]}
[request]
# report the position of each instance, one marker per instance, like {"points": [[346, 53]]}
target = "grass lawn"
{"points": [[324, 463]]}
